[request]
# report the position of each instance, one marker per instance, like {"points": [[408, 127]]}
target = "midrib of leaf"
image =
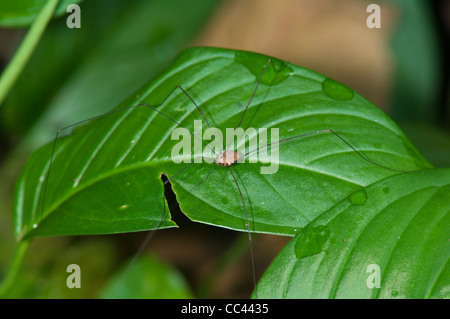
{"points": [[91, 182]]}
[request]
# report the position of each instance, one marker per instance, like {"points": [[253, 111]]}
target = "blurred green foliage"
{"points": [[22, 13], [147, 278]]}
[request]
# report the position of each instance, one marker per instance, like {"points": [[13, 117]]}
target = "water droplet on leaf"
{"points": [[358, 198], [311, 241], [336, 90], [276, 72]]}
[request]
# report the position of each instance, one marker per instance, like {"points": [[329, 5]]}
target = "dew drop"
{"points": [[41, 178], [132, 142], [336, 90], [276, 72], [311, 241], [224, 200], [35, 226], [386, 190], [394, 293], [123, 207], [358, 198]]}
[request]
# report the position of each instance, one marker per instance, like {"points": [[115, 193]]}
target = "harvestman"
{"points": [[226, 158]]}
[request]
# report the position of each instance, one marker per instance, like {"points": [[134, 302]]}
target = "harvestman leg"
{"points": [[335, 134]]}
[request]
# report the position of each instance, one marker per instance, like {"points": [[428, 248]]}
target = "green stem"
{"points": [[11, 276], [29, 43]]}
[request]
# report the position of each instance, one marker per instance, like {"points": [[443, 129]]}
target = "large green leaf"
{"points": [[401, 224], [105, 177]]}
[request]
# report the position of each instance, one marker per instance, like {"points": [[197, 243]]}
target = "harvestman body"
{"points": [[227, 158]]}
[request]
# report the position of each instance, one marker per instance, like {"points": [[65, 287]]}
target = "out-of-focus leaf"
{"points": [[147, 278], [417, 61], [14, 13], [432, 141]]}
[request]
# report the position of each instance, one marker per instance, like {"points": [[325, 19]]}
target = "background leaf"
{"points": [[415, 50], [402, 227], [147, 278], [105, 178], [22, 13]]}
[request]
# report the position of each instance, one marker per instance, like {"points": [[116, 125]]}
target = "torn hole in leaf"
{"points": [[176, 215]]}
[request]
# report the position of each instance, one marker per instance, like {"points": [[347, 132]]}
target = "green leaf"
{"points": [[106, 176], [402, 227], [22, 13], [147, 278], [417, 61]]}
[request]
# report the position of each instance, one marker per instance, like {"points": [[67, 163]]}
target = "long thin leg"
{"points": [[195, 136], [248, 104], [149, 106], [248, 230], [152, 232], [41, 210], [207, 175], [185, 167], [337, 135], [145, 242], [42, 206], [203, 115]]}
